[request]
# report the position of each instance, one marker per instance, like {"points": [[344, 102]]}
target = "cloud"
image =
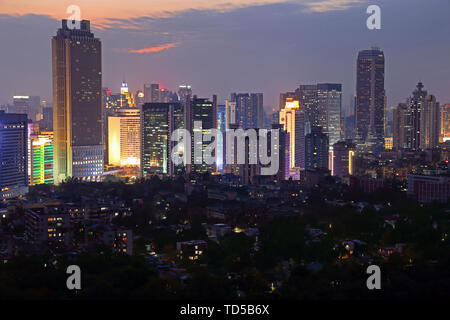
{"points": [[331, 5], [155, 49]]}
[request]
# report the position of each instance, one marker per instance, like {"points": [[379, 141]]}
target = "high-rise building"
{"points": [[343, 158], [13, 155], [316, 149], [124, 138], [293, 119], [151, 93], [370, 98], [445, 123], [402, 127], [230, 113], [204, 111], [416, 124], [41, 159], [184, 91], [329, 100], [430, 123], [77, 103], [159, 120], [309, 103], [249, 109]]}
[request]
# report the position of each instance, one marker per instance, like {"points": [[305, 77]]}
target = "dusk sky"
{"points": [[223, 46]]}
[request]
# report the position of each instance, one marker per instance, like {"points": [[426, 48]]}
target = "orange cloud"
{"points": [[155, 48]]}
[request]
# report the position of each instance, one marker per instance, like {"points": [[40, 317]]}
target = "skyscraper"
{"points": [[42, 159], [205, 111], [417, 123], [77, 104], [316, 149], [370, 98], [159, 120], [293, 119], [249, 109], [445, 123], [124, 138], [13, 155], [151, 93], [329, 100], [343, 158]]}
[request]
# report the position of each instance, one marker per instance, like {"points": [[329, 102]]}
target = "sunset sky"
{"points": [[222, 46]]}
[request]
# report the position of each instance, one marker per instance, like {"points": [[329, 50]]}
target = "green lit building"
{"points": [[42, 159]]}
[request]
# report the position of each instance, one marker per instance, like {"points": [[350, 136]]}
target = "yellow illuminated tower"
{"points": [[292, 117]]}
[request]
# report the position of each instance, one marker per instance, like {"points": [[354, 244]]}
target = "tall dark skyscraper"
{"points": [[316, 149], [370, 98], [77, 103], [13, 154]]}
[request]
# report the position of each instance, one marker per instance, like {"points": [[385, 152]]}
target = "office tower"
{"points": [[184, 91], [205, 111], [309, 102], [124, 138], [370, 98], [343, 158], [430, 123], [316, 149], [41, 158], [402, 129], [159, 120], [445, 123], [77, 105], [416, 105], [230, 113], [293, 119], [416, 124], [249, 109], [13, 155], [151, 93], [221, 125], [46, 124], [329, 100]]}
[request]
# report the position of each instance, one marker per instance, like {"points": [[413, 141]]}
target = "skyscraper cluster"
{"points": [[90, 131]]}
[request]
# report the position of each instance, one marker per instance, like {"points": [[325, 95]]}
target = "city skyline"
{"points": [[178, 50]]}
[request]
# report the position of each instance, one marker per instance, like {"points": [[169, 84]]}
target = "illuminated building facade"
{"points": [[343, 158], [124, 138], [42, 159], [388, 143], [13, 155], [77, 104], [370, 98], [159, 120], [204, 111], [445, 123], [292, 117], [329, 99]]}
